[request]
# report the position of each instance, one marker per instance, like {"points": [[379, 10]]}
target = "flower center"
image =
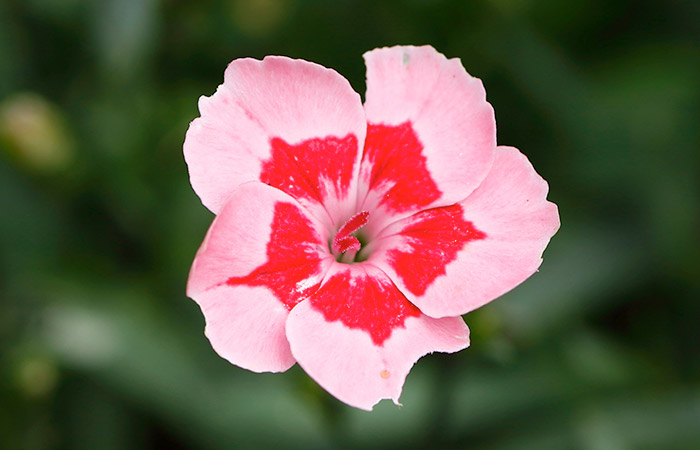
{"points": [[346, 245]]}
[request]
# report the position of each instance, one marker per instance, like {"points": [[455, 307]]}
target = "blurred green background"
{"points": [[101, 349]]}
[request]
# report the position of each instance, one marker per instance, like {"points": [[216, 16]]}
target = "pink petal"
{"points": [[262, 255], [245, 326], [499, 234], [358, 336], [431, 240], [442, 129], [289, 123]]}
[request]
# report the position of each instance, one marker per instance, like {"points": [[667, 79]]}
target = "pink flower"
{"points": [[351, 238]]}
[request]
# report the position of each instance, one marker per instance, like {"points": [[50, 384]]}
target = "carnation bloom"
{"points": [[351, 238]]}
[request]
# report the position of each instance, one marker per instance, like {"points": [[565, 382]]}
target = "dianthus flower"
{"points": [[352, 238]]}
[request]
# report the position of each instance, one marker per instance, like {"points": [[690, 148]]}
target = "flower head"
{"points": [[351, 238]]}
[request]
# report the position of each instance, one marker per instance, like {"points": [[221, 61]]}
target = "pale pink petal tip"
{"points": [[245, 315], [443, 105], [245, 326], [514, 222], [276, 98], [354, 365]]}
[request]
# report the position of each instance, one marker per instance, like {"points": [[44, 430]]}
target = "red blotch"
{"points": [[397, 162], [364, 302], [434, 236], [292, 257], [343, 241], [304, 170]]}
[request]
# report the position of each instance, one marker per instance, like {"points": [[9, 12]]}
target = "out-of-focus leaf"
{"points": [[582, 271], [578, 366], [11, 58], [125, 32], [96, 420], [149, 358], [415, 418]]}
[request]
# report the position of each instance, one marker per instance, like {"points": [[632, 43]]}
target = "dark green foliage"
{"points": [[100, 348]]}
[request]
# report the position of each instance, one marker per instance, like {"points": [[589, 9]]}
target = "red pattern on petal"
{"points": [[366, 302], [399, 167], [292, 258], [434, 236], [305, 170]]}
